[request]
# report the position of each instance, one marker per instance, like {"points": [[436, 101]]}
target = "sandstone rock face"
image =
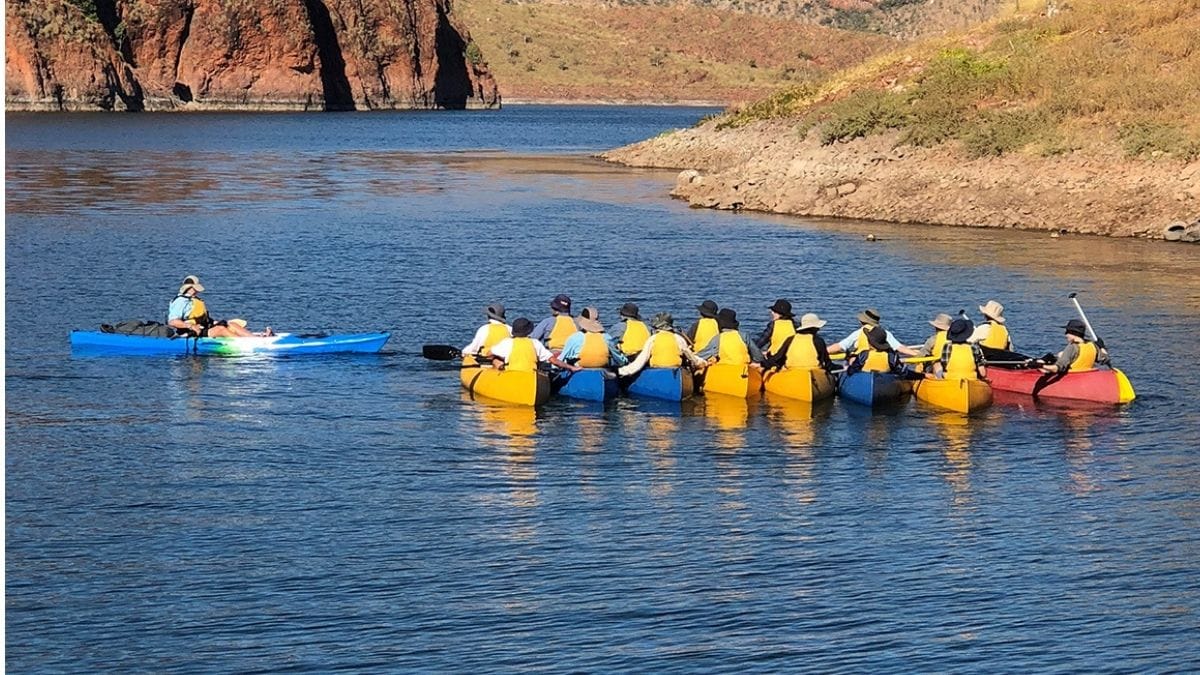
{"points": [[242, 54]]}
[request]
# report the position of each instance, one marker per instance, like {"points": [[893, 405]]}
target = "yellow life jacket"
{"points": [[664, 351], [594, 353], [939, 343], [706, 330], [564, 327], [861, 344], [198, 312], [997, 337], [1086, 360], [635, 337], [495, 333], [523, 357], [877, 362], [961, 363], [732, 349], [781, 330], [802, 353]]}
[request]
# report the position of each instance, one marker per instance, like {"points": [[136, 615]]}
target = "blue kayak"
{"points": [[874, 389], [97, 342], [670, 384], [589, 384]]}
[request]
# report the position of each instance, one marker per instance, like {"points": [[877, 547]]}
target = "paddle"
{"points": [[440, 352], [1086, 324]]}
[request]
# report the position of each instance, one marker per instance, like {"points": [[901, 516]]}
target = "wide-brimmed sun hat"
{"points": [[960, 330], [630, 311], [727, 319], [561, 303], [941, 322], [708, 309], [811, 320], [590, 324], [993, 310], [1076, 327], [782, 307], [237, 322], [190, 284], [877, 339], [870, 317], [663, 321], [495, 311], [522, 327]]}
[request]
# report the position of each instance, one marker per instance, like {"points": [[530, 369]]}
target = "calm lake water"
{"points": [[221, 515]]}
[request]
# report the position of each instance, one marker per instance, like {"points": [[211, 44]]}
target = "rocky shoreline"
{"points": [[768, 166]]}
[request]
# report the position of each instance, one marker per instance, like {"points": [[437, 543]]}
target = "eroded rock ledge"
{"points": [[241, 55], [770, 167]]}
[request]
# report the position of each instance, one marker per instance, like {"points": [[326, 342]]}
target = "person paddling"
{"points": [[630, 334], [1080, 354], [781, 327], [556, 328], [489, 333], [960, 358], [705, 330], [732, 346], [520, 352], [664, 349], [992, 333], [592, 347], [880, 355], [188, 314], [857, 341], [805, 349], [933, 346]]}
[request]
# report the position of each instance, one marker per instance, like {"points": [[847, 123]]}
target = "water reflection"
{"points": [[729, 415], [511, 432], [955, 432]]}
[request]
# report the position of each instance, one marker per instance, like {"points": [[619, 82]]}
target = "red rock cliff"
{"points": [[241, 54]]}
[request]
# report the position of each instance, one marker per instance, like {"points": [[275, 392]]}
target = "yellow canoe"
{"points": [[521, 388], [739, 381], [959, 395], [802, 384]]}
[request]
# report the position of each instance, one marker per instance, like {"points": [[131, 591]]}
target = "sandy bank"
{"points": [[769, 167]]}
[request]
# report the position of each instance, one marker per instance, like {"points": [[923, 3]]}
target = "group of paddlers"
{"points": [[957, 348]]}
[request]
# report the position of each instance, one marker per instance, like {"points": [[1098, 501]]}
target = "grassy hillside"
{"points": [[652, 52], [1095, 76]]}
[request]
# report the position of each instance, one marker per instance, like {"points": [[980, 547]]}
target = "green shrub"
{"points": [[866, 112], [1146, 138]]}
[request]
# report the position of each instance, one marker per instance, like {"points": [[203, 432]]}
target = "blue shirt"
{"points": [[180, 307], [574, 345], [545, 326]]}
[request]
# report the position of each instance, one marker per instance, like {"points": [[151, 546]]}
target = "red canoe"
{"points": [[1097, 386]]}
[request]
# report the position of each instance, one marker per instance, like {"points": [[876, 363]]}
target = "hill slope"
{"points": [[566, 51], [1087, 121]]}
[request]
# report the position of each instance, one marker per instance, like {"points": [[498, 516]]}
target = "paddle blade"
{"points": [[440, 352]]}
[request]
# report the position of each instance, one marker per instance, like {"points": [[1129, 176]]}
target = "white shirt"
{"points": [[850, 340], [481, 336], [503, 348], [982, 331]]}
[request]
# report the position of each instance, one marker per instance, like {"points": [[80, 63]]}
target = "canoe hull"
{"points": [[589, 384], [874, 389], [518, 388], [959, 395], [669, 384], [1095, 386], [802, 384], [731, 380], [96, 342]]}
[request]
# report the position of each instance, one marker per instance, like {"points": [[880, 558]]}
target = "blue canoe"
{"points": [[669, 384], [589, 384], [96, 342], [874, 389]]}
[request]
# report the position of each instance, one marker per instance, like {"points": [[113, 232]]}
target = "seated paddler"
{"points": [[933, 346], [705, 329], [880, 356], [188, 314], [992, 332], [556, 328], [781, 327], [1081, 354], [664, 349], [592, 347], [856, 341], [961, 359], [732, 345], [489, 333], [805, 349], [522, 353], [630, 333]]}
